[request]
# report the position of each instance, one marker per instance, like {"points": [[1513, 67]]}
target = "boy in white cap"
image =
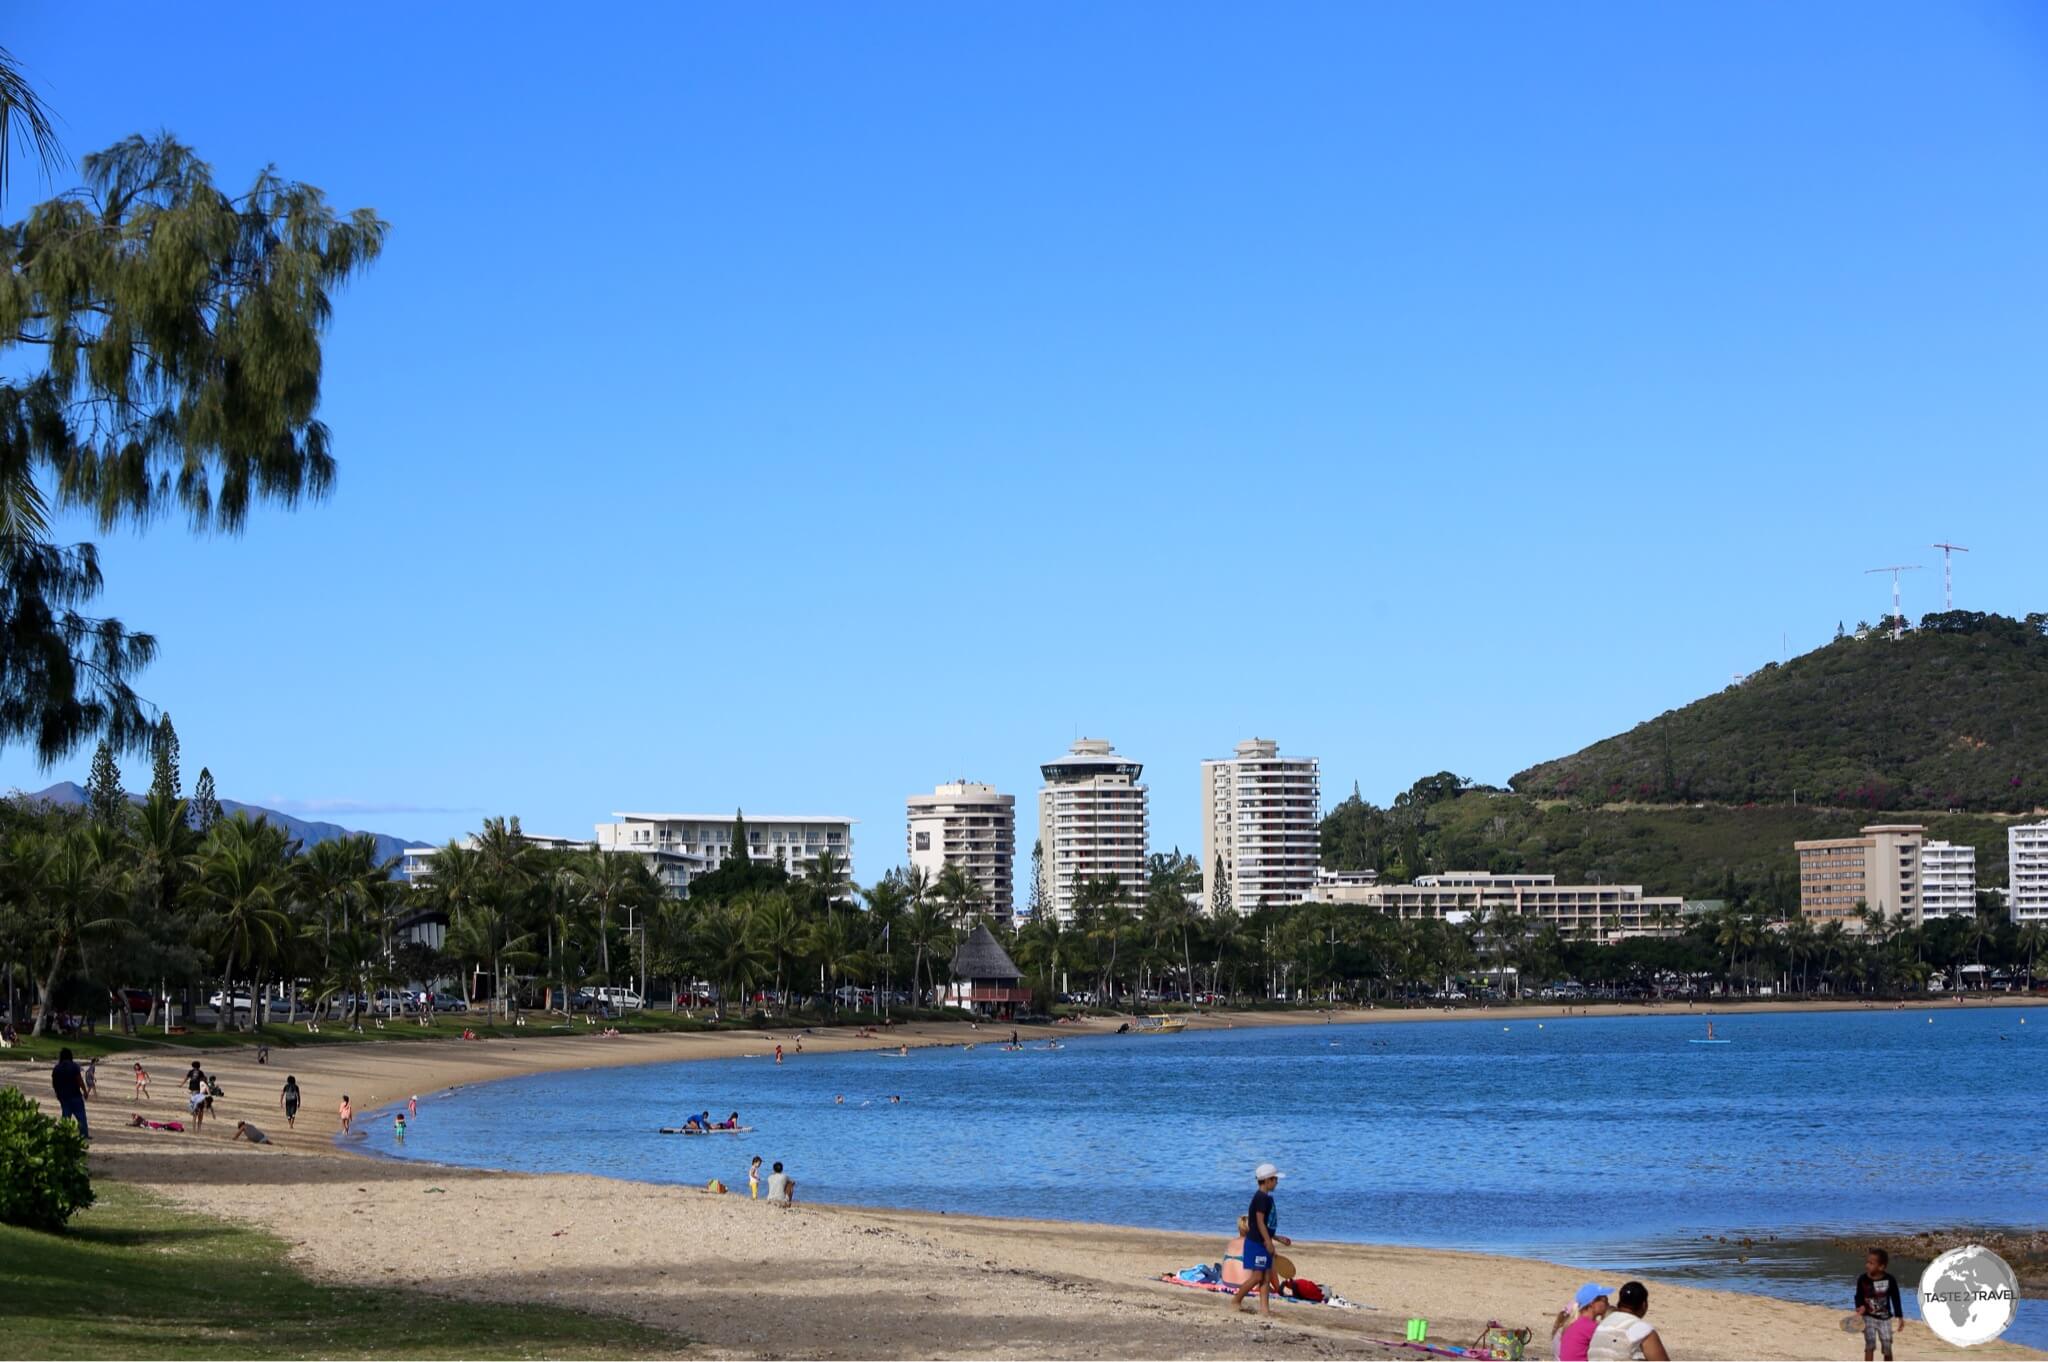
{"points": [[1260, 1236]]}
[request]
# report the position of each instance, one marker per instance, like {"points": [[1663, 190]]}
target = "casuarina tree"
{"points": [[160, 339]]}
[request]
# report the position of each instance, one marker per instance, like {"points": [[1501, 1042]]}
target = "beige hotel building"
{"points": [[1878, 870], [972, 826], [1261, 821]]}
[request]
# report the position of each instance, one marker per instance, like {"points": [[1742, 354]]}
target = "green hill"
{"points": [[1954, 715], [1946, 726]]}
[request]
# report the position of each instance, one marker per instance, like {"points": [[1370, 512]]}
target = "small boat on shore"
{"points": [[1161, 1023]]}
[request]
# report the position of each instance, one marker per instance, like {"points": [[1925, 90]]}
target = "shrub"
{"points": [[43, 1177]]}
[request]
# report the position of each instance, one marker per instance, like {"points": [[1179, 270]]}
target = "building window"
{"points": [[924, 841]]}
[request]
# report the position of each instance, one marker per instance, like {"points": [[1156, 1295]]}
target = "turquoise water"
{"points": [[1611, 1142]]}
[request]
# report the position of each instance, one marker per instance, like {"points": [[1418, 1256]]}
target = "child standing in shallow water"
{"points": [[348, 1113]]}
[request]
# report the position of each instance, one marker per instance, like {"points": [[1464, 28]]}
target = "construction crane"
{"points": [[1948, 581], [1898, 616]]}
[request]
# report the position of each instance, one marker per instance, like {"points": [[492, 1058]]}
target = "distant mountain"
{"points": [[1954, 715], [67, 792]]}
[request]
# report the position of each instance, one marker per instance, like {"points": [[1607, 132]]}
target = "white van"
{"points": [[617, 999]]}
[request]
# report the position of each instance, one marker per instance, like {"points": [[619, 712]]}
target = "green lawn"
{"points": [[134, 1277]]}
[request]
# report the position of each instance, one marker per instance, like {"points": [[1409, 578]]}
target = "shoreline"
{"points": [[832, 1281]]}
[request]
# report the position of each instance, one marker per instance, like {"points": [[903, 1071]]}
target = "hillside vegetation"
{"points": [[1946, 726], [1954, 715]]}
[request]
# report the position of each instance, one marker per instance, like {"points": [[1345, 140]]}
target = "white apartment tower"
{"points": [[1092, 819], [1948, 880], [2026, 861], [974, 827], [1261, 814]]}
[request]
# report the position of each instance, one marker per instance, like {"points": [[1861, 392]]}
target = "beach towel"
{"points": [[1332, 1300]]}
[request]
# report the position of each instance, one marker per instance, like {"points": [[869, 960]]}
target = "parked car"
{"points": [[618, 999], [136, 999], [450, 1002], [241, 1002]]}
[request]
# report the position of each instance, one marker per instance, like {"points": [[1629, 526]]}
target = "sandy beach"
{"points": [[740, 1278]]}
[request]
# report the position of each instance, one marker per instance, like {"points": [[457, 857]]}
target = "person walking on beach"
{"points": [[141, 1082], [348, 1113], [92, 1078], [754, 1179], [1877, 1300], [288, 1099], [1624, 1334], [67, 1080], [1260, 1235], [1573, 1328], [781, 1187]]}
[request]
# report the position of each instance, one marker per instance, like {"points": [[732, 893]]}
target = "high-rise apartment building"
{"points": [[974, 827], [1879, 870], [1092, 823], [1261, 813], [2026, 871], [1948, 880]]}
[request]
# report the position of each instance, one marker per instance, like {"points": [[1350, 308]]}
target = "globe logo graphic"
{"points": [[1968, 1295]]}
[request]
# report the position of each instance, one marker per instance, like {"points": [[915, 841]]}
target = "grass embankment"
{"points": [[133, 1277]]}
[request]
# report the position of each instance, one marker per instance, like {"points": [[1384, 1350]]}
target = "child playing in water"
{"points": [[348, 1113], [398, 1125]]}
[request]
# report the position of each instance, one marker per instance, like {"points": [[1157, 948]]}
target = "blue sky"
{"points": [[795, 406]]}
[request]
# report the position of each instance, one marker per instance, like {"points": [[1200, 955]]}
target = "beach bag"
{"points": [[1306, 1290], [1509, 1345]]}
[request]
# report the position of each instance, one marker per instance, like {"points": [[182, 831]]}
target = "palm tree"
{"points": [[238, 890], [2031, 942], [957, 890], [337, 880], [485, 930], [163, 841], [778, 929], [729, 953], [827, 880], [610, 881], [83, 891], [930, 933], [831, 945], [25, 121]]}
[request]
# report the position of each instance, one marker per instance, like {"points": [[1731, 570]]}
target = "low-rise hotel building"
{"points": [[682, 846], [974, 827], [1948, 880], [1261, 819], [1587, 912], [1880, 870], [2026, 862]]}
